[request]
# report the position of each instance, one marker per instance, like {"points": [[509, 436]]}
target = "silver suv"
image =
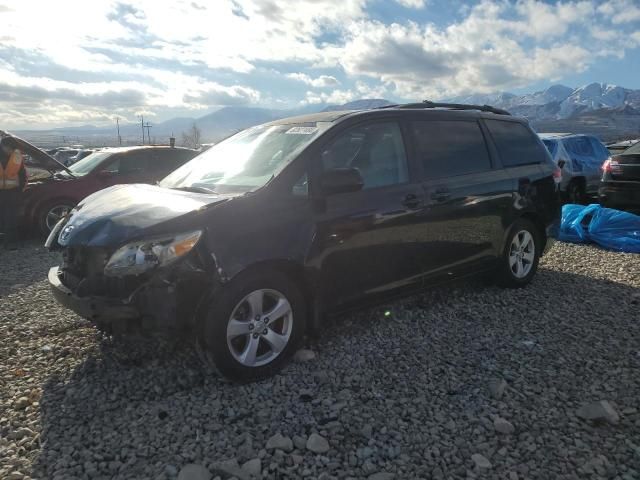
{"points": [[580, 157]]}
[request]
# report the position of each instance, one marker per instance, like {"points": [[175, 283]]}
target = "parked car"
{"points": [[65, 154], [619, 147], [257, 239], [85, 152], [580, 157], [620, 184], [48, 199]]}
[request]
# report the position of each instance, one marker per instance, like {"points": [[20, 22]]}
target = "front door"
{"points": [[367, 241]]}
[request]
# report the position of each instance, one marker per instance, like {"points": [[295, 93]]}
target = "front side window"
{"points": [[246, 161], [516, 144], [376, 150], [89, 163], [450, 148]]}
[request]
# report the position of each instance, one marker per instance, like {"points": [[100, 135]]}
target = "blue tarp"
{"points": [[609, 228]]}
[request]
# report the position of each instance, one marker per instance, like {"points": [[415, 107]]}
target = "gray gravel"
{"points": [[464, 381]]}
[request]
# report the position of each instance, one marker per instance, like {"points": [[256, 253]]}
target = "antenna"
{"points": [[118, 127]]}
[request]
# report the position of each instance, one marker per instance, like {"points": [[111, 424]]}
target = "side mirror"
{"points": [[561, 163], [341, 180]]}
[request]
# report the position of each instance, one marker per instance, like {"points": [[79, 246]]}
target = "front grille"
{"points": [[83, 273]]}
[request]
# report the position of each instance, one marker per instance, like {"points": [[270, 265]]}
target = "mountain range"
{"points": [[609, 111]]}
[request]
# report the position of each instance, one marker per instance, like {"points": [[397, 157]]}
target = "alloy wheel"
{"points": [[522, 253], [259, 327], [55, 214]]}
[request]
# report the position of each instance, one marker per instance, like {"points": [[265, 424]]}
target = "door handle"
{"points": [[411, 200], [441, 194]]}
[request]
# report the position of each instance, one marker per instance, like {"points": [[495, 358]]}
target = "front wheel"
{"points": [[51, 214], [254, 326], [521, 255]]}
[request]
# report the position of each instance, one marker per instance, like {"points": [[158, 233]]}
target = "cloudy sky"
{"points": [[79, 62]]}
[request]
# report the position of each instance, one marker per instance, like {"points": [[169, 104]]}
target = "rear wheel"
{"points": [[521, 255], [575, 192], [254, 326]]}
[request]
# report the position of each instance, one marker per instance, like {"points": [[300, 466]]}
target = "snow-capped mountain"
{"points": [[559, 101]]}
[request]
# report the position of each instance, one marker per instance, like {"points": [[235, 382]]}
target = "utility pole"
{"points": [[148, 126], [142, 125], [118, 127]]}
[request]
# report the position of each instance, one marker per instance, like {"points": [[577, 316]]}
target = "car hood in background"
{"points": [[117, 214], [40, 159]]}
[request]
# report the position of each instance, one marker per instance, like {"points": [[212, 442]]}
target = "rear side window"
{"points": [[167, 160], [551, 145], [450, 148], [136, 161], [516, 144], [579, 146]]}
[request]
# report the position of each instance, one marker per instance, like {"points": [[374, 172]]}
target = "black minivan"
{"points": [[252, 243]]}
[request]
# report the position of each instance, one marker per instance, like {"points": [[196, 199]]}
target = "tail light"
{"points": [[557, 175], [611, 166]]}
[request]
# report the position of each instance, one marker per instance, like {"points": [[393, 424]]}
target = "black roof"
{"points": [[428, 108]]}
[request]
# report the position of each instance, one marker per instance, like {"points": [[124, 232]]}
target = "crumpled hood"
{"points": [[114, 215]]}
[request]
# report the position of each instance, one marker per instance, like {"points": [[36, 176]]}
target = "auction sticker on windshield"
{"points": [[302, 130]]}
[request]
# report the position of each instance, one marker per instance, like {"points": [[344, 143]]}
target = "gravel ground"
{"points": [[465, 381]]}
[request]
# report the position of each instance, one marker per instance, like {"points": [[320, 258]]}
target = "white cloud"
{"points": [[413, 3], [620, 11], [496, 47], [322, 81], [188, 56]]}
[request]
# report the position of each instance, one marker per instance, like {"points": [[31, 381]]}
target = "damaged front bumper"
{"points": [[167, 298], [92, 308]]}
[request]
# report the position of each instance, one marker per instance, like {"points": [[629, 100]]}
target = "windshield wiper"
{"points": [[194, 189]]}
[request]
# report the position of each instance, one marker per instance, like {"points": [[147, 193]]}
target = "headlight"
{"points": [[138, 257]]}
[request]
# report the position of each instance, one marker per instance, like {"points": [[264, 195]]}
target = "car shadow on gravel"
{"points": [[139, 407]]}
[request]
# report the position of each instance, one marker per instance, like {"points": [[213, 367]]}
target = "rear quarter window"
{"points": [[516, 144]]}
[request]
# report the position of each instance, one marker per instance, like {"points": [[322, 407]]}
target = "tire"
{"points": [[519, 274], [575, 192], [248, 352], [50, 211]]}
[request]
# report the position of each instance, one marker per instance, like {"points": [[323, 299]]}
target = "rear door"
{"points": [[367, 242], [466, 196]]}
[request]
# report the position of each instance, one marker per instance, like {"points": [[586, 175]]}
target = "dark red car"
{"points": [[51, 196]]}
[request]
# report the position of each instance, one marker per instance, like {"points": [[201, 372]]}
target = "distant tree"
{"points": [[191, 138]]}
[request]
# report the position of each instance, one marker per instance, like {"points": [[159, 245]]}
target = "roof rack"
{"points": [[452, 106]]}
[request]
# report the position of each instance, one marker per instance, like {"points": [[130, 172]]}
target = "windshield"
{"points": [[247, 160], [88, 163]]}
